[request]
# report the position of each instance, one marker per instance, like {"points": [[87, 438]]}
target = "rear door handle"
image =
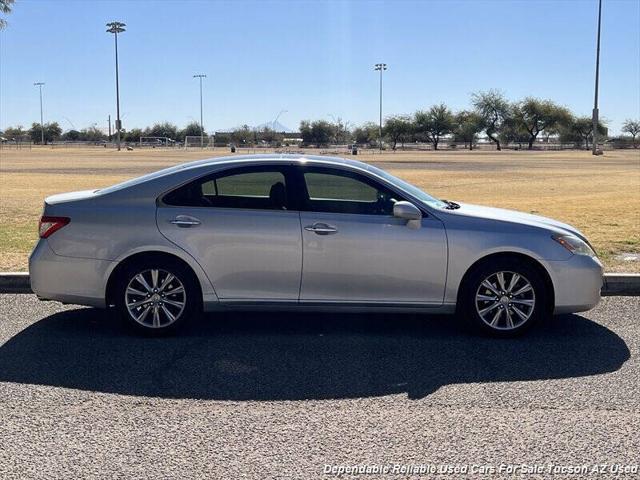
{"points": [[185, 221], [321, 229]]}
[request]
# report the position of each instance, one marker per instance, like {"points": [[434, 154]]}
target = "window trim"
{"points": [[285, 170]]}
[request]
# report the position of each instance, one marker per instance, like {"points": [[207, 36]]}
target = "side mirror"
{"points": [[406, 210]]}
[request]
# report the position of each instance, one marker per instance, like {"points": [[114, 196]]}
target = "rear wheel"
{"points": [[157, 297], [504, 298]]}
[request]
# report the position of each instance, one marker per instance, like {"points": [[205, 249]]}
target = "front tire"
{"points": [[157, 297], [504, 298]]}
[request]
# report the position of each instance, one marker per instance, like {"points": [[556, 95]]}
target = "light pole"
{"points": [[594, 150], [39, 85], [381, 67], [116, 28], [200, 77]]}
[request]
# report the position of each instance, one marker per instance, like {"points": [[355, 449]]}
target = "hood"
{"points": [[70, 197], [513, 216]]}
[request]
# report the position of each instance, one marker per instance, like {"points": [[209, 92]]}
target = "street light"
{"points": [[200, 77], [595, 100], [380, 67], [39, 85], [116, 28]]}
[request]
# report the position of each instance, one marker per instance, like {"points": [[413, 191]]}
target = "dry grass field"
{"points": [[599, 195]]}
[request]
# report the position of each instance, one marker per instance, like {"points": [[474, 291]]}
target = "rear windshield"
{"points": [[139, 180]]}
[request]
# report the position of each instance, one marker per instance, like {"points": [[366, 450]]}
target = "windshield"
{"points": [[407, 187]]}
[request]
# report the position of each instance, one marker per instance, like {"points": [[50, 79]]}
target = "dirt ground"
{"points": [[599, 195]]}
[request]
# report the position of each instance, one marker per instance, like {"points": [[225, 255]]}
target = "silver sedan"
{"points": [[294, 231]]}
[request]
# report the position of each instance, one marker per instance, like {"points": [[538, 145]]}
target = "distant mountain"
{"points": [[277, 126]]}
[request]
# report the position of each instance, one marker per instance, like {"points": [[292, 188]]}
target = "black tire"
{"points": [[183, 277], [473, 290]]}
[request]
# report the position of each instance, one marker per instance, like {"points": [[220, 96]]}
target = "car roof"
{"points": [[277, 157]]}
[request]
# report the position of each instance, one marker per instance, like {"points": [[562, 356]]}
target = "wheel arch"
{"points": [[513, 256], [152, 255]]}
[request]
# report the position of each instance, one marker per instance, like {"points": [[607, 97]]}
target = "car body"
{"points": [[302, 231]]}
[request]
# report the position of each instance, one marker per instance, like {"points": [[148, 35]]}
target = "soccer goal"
{"points": [[195, 141], [155, 142]]}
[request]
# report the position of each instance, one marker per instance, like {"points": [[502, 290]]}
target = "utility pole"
{"points": [[116, 28], [381, 67], [39, 85], [594, 150], [200, 77]]}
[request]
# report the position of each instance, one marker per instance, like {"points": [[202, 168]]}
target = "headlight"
{"points": [[574, 245]]}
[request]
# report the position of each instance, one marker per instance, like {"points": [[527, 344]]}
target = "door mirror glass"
{"points": [[406, 210]]}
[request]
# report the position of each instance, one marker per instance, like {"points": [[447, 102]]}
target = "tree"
{"points": [[191, 130], [318, 132], [71, 136], [581, 129], [398, 129], [435, 123], [243, 135], [467, 125], [15, 133], [493, 108], [513, 130], [133, 135], [341, 131], [52, 132], [536, 115], [92, 134], [5, 8], [270, 136], [632, 127], [164, 129], [366, 134], [322, 132], [305, 132]]}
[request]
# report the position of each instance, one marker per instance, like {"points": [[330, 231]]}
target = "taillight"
{"points": [[48, 225]]}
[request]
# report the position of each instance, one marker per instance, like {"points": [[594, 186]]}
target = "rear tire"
{"points": [[503, 298], [157, 297]]}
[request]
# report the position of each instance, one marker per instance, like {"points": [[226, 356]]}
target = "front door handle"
{"points": [[321, 229], [185, 221]]}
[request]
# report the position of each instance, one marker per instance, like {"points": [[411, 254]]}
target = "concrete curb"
{"points": [[614, 283], [621, 284], [15, 282]]}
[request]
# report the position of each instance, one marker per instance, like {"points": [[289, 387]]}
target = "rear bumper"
{"points": [[577, 283], [80, 281]]}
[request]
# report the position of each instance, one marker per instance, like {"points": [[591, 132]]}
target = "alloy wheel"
{"points": [[155, 298], [505, 300]]}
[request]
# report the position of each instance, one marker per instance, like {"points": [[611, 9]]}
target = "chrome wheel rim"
{"points": [[505, 300], [155, 298]]}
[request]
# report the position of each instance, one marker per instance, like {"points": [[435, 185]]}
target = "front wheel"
{"points": [[504, 298], [157, 298]]}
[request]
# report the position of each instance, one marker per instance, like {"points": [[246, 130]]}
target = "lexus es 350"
{"points": [[276, 231]]}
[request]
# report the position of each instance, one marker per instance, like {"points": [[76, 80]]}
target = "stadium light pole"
{"points": [[594, 150], [39, 85], [116, 28], [381, 67], [200, 77]]}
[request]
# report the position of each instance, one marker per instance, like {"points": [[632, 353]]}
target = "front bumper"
{"points": [[577, 283], [80, 281]]}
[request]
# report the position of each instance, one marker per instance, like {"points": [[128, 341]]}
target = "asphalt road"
{"points": [[282, 395]]}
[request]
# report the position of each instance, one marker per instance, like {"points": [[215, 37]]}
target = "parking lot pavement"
{"points": [[282, 395]]}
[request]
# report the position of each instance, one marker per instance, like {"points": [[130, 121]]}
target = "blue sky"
{"points": [[313, 59]]}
